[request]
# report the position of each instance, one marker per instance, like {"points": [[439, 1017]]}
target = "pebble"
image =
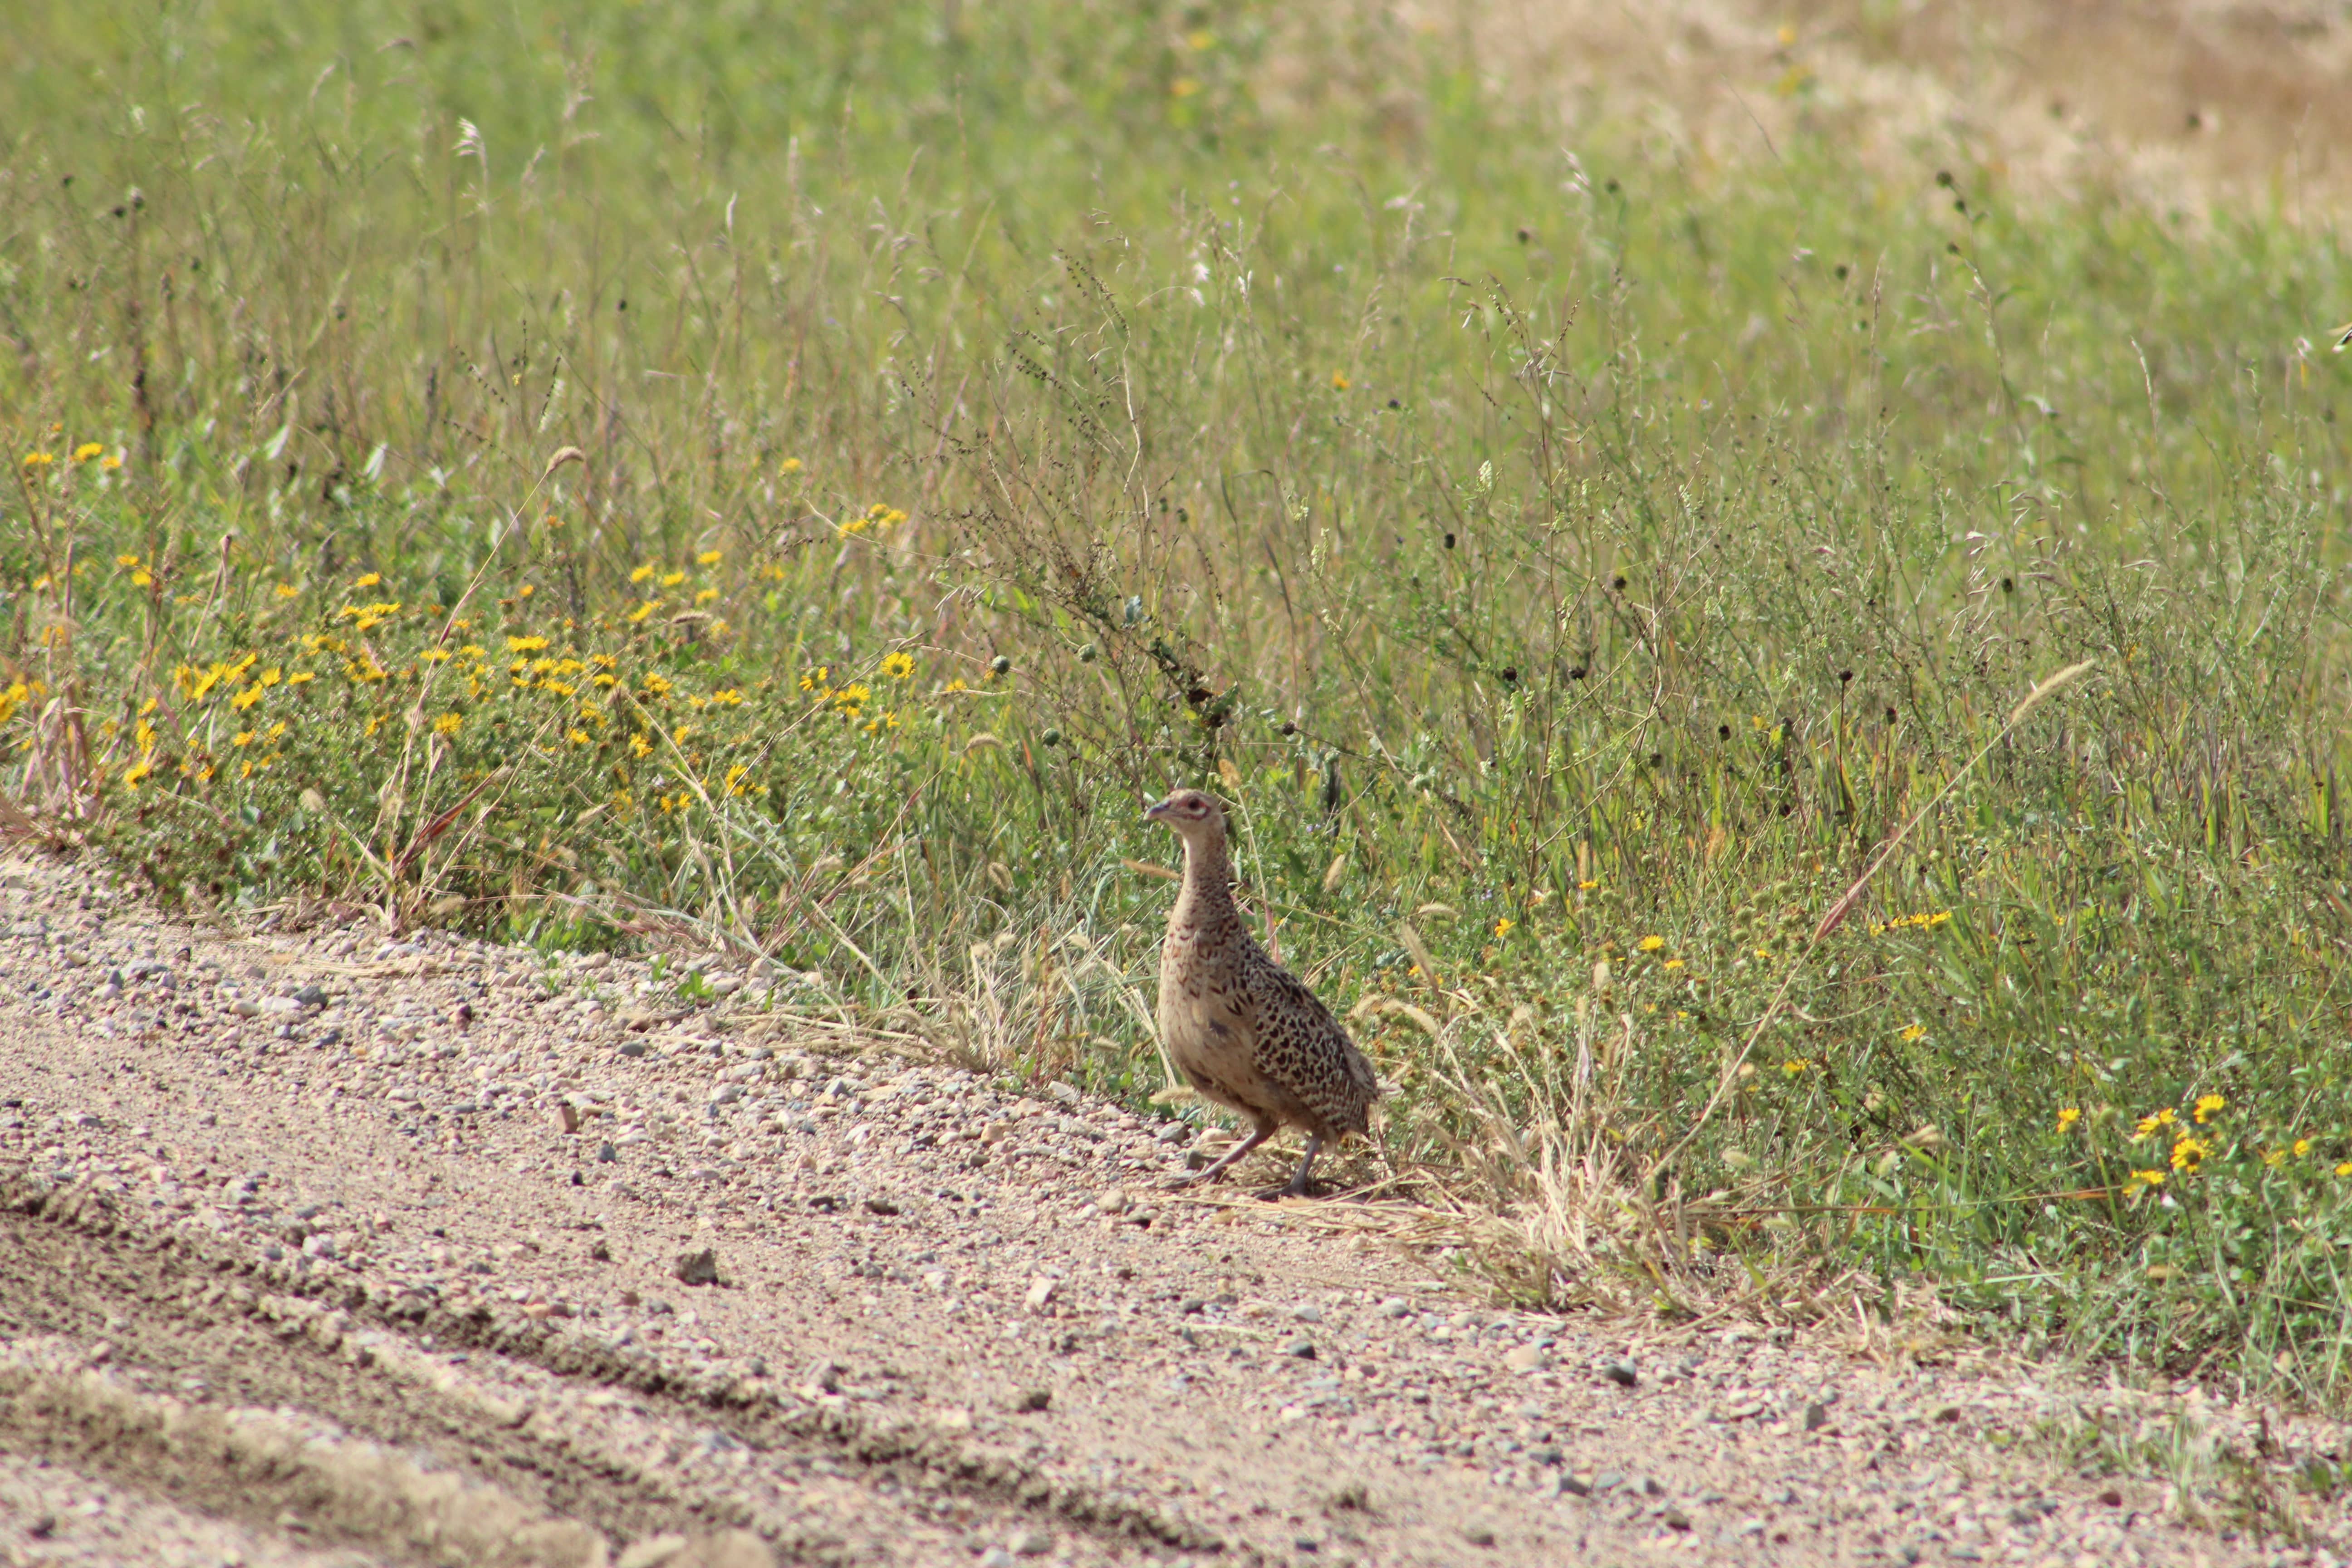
{"points": [[1302, 1347], [698, 1268], [1620, 1373]]}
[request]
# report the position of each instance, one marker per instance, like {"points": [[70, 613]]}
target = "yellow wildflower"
{"points": [[525, 645], [2187, 1153], [1587, 886], [2148, 1126], [643, 610], [1338, 381], [136, 772], [2143, 1179], [1650, 943], [2207, 1104], [639, 744], [246, 699], [1794, 1065], [641, 574], [87, 450], [286, 591], [2345, 1169], [111, 461], [38, 460], [1914, 1032], [300, 677], [369, 581], [577, 737], [897, 666], [448, 723], [789, 466], [1503, 927], [735, 777], [657, 685], [2302, 1147], [705, 595], [126, 561], [242, 738], [2068, 1116], [672, 579], [707, 558]]}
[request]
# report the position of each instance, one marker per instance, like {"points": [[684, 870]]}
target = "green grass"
{"points": [[1574, 565]]}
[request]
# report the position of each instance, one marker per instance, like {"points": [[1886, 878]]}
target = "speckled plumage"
{"points": [[1244, 1031]]}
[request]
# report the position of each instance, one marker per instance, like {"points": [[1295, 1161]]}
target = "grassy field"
{"points": [[789, 484]]}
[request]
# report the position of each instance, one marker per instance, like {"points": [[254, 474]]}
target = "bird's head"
{"points": [[1192, 813]]}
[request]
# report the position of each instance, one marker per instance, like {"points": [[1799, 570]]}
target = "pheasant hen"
{"points": [[1244, 1031]]}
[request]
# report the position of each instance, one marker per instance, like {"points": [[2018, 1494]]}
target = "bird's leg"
{"points": [[1258, 1135], [1298, 1185]]}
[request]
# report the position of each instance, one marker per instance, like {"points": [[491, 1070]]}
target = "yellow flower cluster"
{"points": [[880, 515]]}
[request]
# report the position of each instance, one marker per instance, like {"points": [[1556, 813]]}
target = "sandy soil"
{"points": [[2200, 107], [318, 1248]]}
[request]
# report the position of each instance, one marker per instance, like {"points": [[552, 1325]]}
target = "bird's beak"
{"points": [[1153, 813]]}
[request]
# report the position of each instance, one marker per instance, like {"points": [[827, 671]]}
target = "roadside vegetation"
{"points": [[789, 492]]}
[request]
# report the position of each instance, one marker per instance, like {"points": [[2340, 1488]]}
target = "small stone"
{"points": [[607, 1153], [1112, 1202], [1041, 1290], [997, 1557], [653, 1552], [599, 1252], [319, 1246], [698, 1268], [1576, 1485], [570, 1115], [1030, 1543], [1034, 1399], [2112, 1497], [1302, 1347], [1674, 1519], [824, 1376], [1310, 1313], [880, 1206], [1817, 1416], [631, 1048], [1396, 1307], [1525, 1358], [1620, 1373], [1479, 1535], [42, 1527]]}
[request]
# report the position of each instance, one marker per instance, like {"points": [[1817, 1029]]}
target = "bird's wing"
{"points": [[1284, 994]]}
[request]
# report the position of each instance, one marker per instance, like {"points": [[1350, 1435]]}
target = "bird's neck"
{"points": [[1208, 881]]}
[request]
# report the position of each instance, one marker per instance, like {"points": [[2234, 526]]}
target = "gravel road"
{"points": [[320, 1248]]}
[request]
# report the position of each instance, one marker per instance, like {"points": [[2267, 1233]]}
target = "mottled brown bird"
{"points": [[1243, 1030]]}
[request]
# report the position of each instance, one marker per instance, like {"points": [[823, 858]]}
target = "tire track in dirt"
{"points": [[88, 1287]]}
